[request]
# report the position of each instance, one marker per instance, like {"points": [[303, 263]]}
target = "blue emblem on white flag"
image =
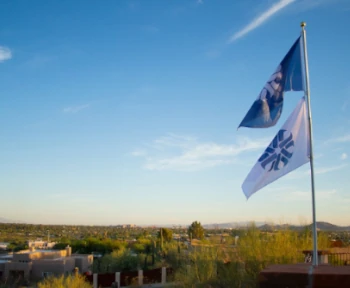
{"points": [[267, 108], [280, 150], [289, 149]]}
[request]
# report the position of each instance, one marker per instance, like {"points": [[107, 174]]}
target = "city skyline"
{"points": [[127, 112]]}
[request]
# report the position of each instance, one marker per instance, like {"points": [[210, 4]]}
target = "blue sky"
{"points": [[127, 111]]}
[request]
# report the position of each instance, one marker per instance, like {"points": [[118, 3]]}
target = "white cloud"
{"points": [[182, 163], [185, 153], [341, 139], [75, 109], [328, 169], [305, 5], [318, 156], [212, 54], [297, 174], [306, 195], [38, 61], [343, 156], [174, 140], [261, 19], [139, 153], [5, 54]]}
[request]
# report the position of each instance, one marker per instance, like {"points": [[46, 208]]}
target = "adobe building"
{"points": [[37, 264]]}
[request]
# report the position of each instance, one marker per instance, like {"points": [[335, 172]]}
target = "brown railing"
{"points": [[130, 277], [339, 259]]}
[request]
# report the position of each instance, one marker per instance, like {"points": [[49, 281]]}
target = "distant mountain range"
{"points": [[229, 225], [322, 226], [5, 220]]}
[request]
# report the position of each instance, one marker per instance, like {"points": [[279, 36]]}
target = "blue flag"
{"points": [[267, 108]]}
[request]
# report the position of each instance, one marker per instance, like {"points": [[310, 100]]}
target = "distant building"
{"points": [[40, 244], [4, 245], [34, 265], [126, 226]]}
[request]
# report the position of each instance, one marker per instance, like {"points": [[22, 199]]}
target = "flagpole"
{"points": [[307, 94]]}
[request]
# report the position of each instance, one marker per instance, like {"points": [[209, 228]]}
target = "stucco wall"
{"points": [[56, 267]]}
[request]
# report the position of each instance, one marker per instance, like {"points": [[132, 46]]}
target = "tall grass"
{"points": [[279, 246], [75, 281], [239, 266]]}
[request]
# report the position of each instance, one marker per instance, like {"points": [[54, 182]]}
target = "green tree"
{"points": [[11, 246], [196, 230], [166, 233], [145, 233]]}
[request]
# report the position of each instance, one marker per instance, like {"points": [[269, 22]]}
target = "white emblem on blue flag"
{"points": [[267, 108], [288, 150]]}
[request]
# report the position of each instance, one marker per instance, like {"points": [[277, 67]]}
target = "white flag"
{"points": [[288, 150]]}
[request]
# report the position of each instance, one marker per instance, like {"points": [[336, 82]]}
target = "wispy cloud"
{"points": [[343, 156], [261, 19], [199, 1], [305, 5], [75, 109], [341, 139], [306, 195], [174, 140], [5, 54], [318, 156], [186, 153], [320, 170], [212, 54], [139, 153], [329, 169], [38, 61]]}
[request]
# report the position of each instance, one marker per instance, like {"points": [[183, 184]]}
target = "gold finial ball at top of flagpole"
{"points": [[303, 24]]}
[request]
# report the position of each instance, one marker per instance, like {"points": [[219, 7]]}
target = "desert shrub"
{"points": [[75, 281]]}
